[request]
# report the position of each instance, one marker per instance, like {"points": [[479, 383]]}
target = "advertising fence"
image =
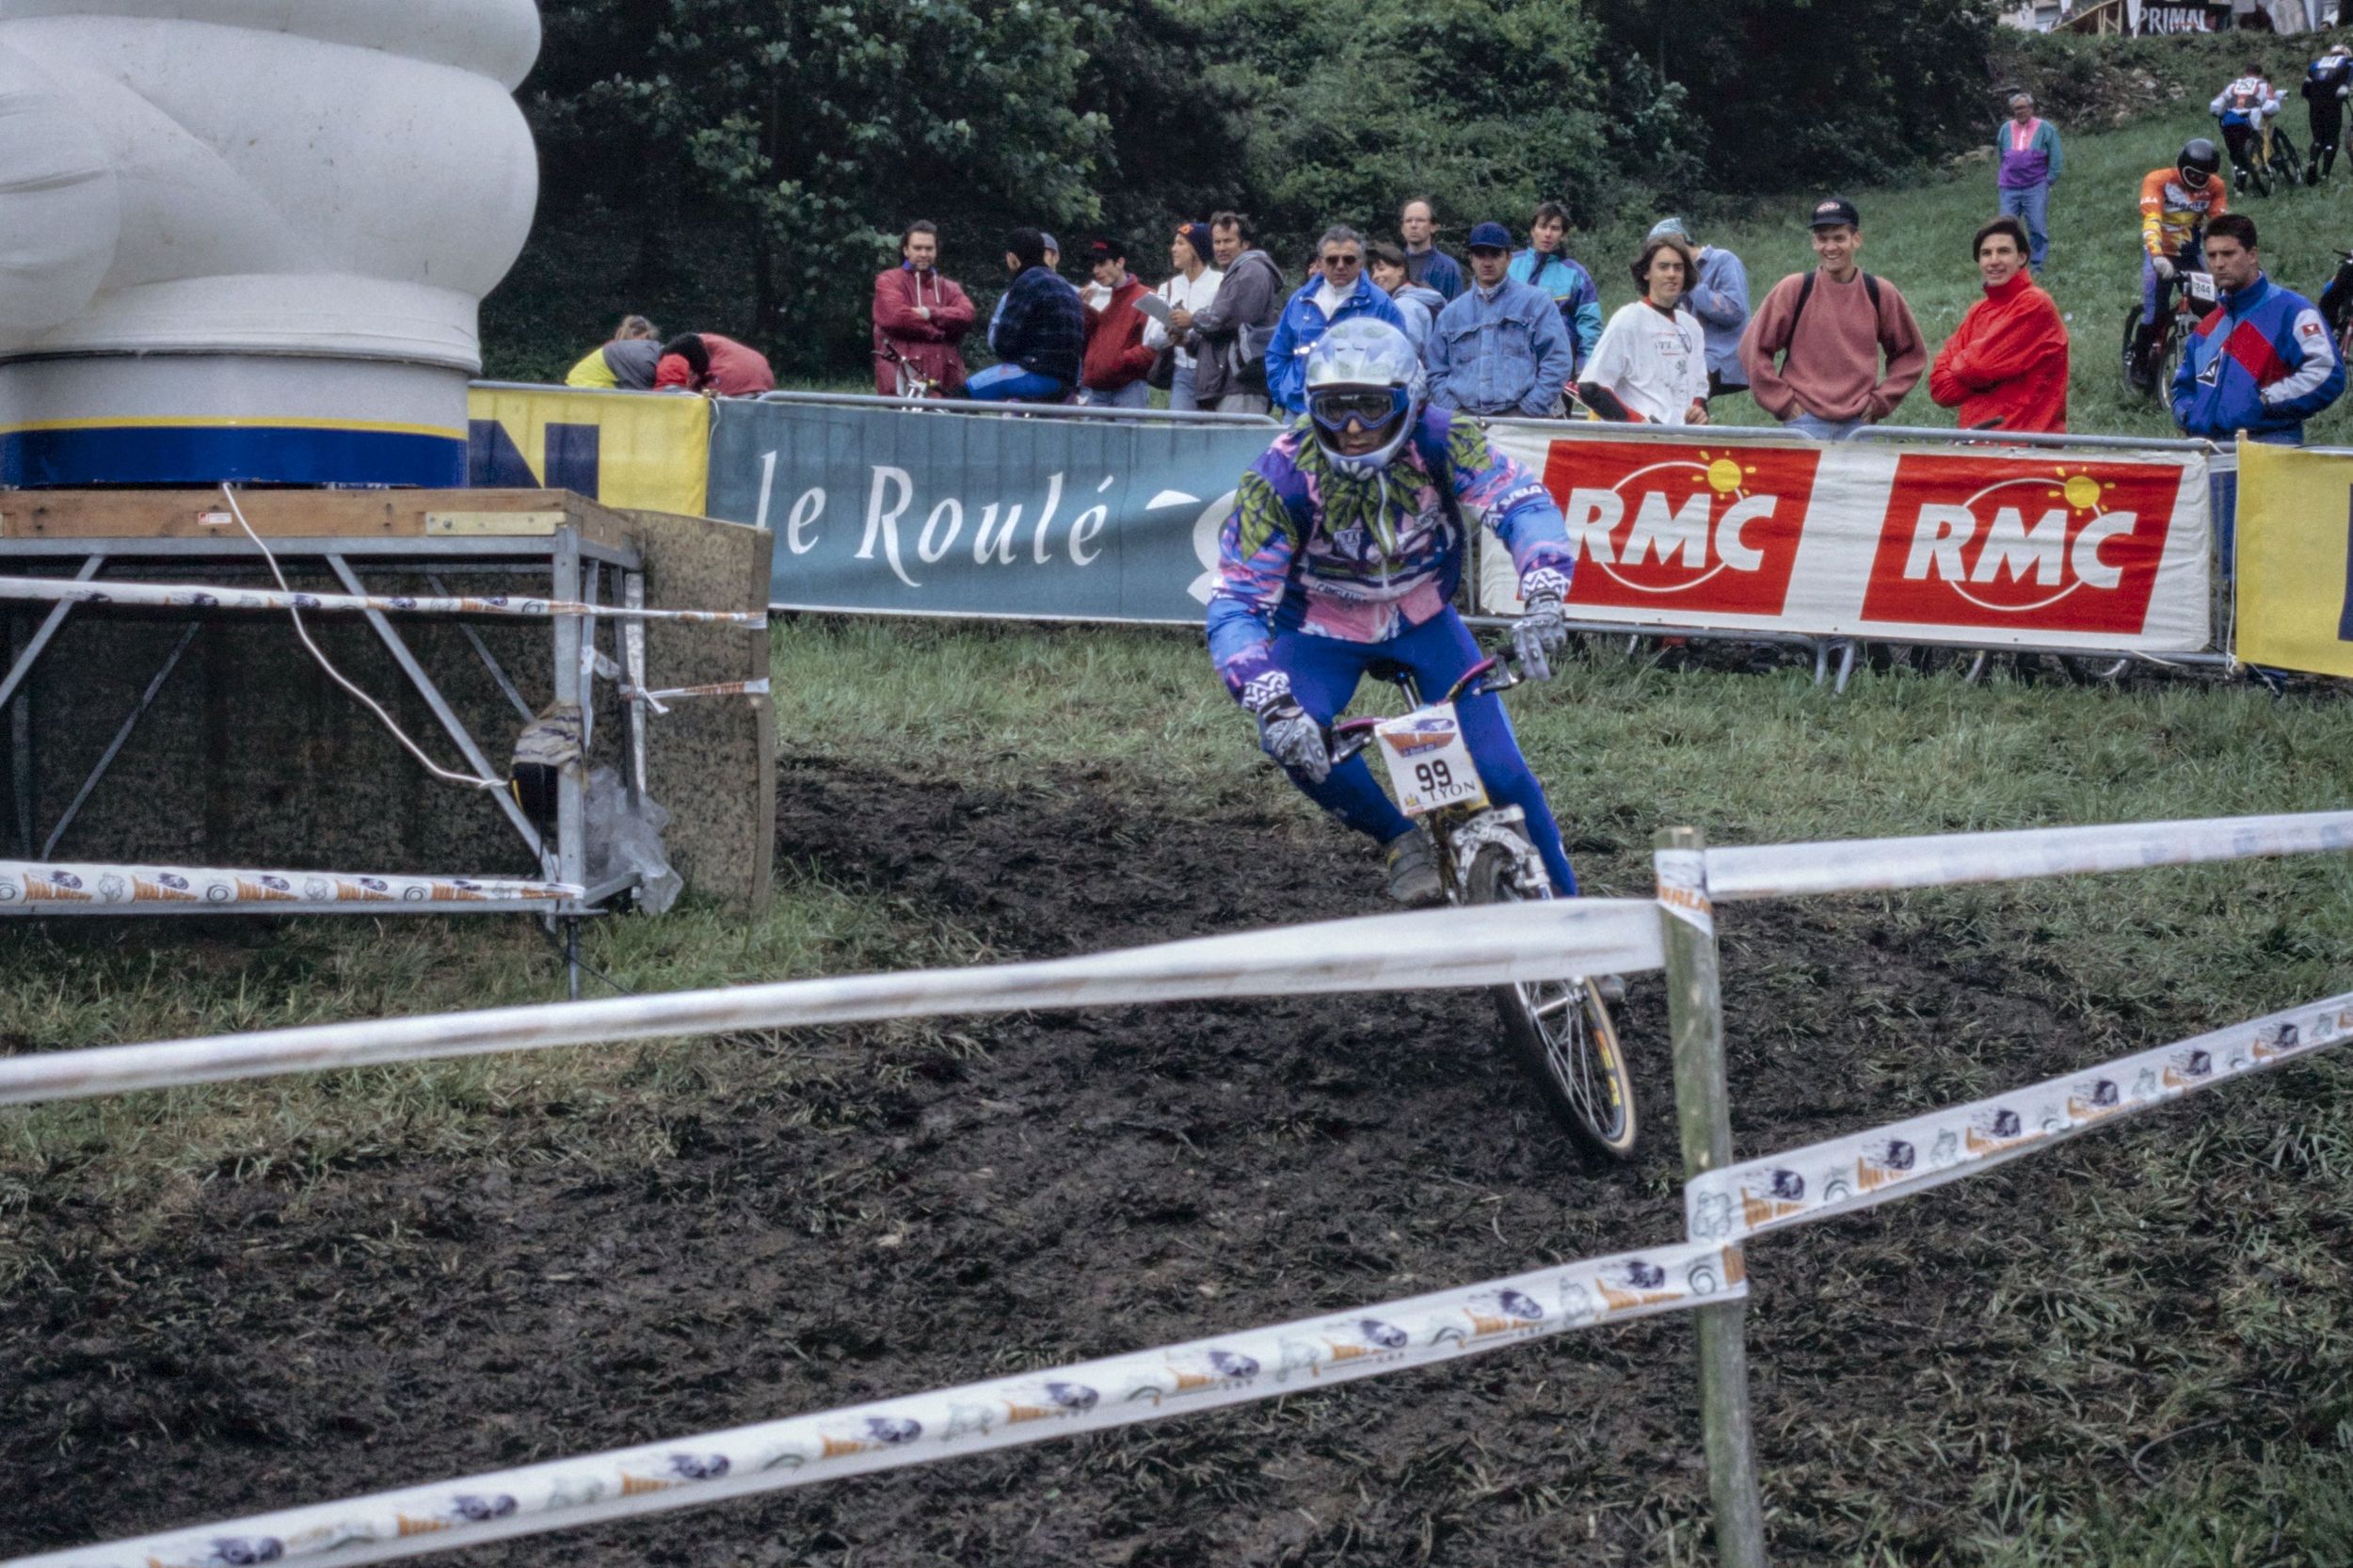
{"points": [[1707, 1273], [2102, 549], [642, 450], [878, 507], [2295, 581], [2095, 545]]}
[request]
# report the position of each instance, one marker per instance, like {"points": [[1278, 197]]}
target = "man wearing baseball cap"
{"points": [[1500, 349], [1813, 349]]}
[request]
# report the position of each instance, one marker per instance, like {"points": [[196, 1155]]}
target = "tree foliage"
{"points": [[754, 160]]}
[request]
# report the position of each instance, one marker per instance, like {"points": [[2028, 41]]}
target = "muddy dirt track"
{"points": [[940, 1205]]}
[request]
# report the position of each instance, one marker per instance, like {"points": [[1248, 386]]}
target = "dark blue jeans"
{"points": [[1324, 673]]}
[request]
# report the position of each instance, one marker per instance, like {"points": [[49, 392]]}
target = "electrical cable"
{"points": [[338, 677]]}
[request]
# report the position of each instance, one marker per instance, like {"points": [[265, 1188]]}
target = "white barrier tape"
{"points": [[1682, 875], [1869, 865], [196, 596], [1118, 1391], [1908, 1158], [658, 701], [1487, 945], [55, 882]]}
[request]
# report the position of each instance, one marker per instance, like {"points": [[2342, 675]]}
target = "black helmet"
{"points": [[2199, 161]]}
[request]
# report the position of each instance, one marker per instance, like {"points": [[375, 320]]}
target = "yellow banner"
{"points": [[649, 450], [2295, 595]]}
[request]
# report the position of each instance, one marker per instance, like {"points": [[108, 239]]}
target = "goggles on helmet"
{"points": [[1369, 408]]}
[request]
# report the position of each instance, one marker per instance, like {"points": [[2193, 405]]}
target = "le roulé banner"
{"points": [[973, 512]]}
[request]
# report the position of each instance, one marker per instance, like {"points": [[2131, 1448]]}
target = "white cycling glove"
{"points": [[1285, 733], [2165, 267], [1542, 625]]}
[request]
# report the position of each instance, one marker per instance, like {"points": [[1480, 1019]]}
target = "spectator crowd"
{"points": [[1517, 330]]}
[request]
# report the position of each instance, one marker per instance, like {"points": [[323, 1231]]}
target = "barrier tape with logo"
{"points": [[1434, 950], [68, 885], [1063, 1401], [1907, 1157], [192, 596], [1449, 947]]}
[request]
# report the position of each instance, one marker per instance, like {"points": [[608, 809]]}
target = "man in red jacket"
{"points": [[2005, 366], [1113, 376], [715, 366], [921, 317]]}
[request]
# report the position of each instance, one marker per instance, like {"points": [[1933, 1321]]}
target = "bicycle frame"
{"points": [[1458, 832]]}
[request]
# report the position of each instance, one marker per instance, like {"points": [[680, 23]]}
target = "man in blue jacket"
{"points": [[2262, 361], [1039, 331], [1548, 265], [1337, 291], [1501, 350]]}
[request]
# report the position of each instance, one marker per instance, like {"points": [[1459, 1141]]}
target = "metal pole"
{"points": [[1695, 1015]]}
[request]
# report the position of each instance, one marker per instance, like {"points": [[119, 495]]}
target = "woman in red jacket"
{"points": [[2005, 366]]}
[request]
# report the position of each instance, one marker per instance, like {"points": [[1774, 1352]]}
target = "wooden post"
{"points": [[1695, 1015]]}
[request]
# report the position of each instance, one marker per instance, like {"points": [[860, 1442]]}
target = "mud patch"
{"points": [[821, 1222]]}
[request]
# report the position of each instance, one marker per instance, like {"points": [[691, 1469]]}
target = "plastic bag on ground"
{"points": [[624, 834]]}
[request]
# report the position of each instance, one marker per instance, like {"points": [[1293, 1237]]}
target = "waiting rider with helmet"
{"points": [[2327, 81], [2243, 107], [2175, 206], [1344, 549]]}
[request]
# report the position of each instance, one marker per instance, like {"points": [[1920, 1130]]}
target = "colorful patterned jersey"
{"points": [[1311, 548], [2170, 212]]}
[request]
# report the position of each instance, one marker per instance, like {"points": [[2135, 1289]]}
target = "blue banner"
{"points": [[961, 510]]}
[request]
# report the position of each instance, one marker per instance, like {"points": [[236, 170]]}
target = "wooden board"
{"points": [[193, 514]]}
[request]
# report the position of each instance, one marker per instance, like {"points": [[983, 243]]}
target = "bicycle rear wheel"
{"points": [[2286, 159], [1561, 1034]]}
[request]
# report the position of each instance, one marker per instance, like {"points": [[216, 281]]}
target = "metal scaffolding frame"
{"points": [[577, 569]]}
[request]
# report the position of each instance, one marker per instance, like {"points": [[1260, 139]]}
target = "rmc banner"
{"points": [[969, 512], [1919, 543]]}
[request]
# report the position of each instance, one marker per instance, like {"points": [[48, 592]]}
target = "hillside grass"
{"points": [[1918, 236]]}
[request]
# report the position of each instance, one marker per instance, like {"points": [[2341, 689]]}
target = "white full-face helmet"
{"points": [[1364, 372]]}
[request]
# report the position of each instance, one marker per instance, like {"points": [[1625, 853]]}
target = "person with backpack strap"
{"points": [[1813, 349], [1342, 553]]}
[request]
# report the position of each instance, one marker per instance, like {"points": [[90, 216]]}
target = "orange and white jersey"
{"points": [[2170, 211]]}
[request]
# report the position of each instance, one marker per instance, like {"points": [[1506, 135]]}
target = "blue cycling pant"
{"points": [[1324, 673], [2156, 294], [1010, 383]]}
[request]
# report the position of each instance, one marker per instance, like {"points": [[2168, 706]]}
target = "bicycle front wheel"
{"points": [[1561, 1034]]}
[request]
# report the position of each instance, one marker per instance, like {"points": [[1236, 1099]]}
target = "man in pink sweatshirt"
{"points": [[1813, 347]]}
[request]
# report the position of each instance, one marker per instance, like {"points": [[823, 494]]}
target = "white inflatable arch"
{"points": [[249, 238]]}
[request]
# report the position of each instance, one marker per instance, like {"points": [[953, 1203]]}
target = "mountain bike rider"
{"points": [[2175, 205], [2327, 82], [1342, 554], [2243, 107]]}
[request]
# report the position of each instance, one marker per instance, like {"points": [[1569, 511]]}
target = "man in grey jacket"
{"points": [[1234, 328], [1718, 297]]}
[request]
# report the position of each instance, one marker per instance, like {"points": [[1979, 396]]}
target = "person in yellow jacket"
{"points": [[625, 364]]}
